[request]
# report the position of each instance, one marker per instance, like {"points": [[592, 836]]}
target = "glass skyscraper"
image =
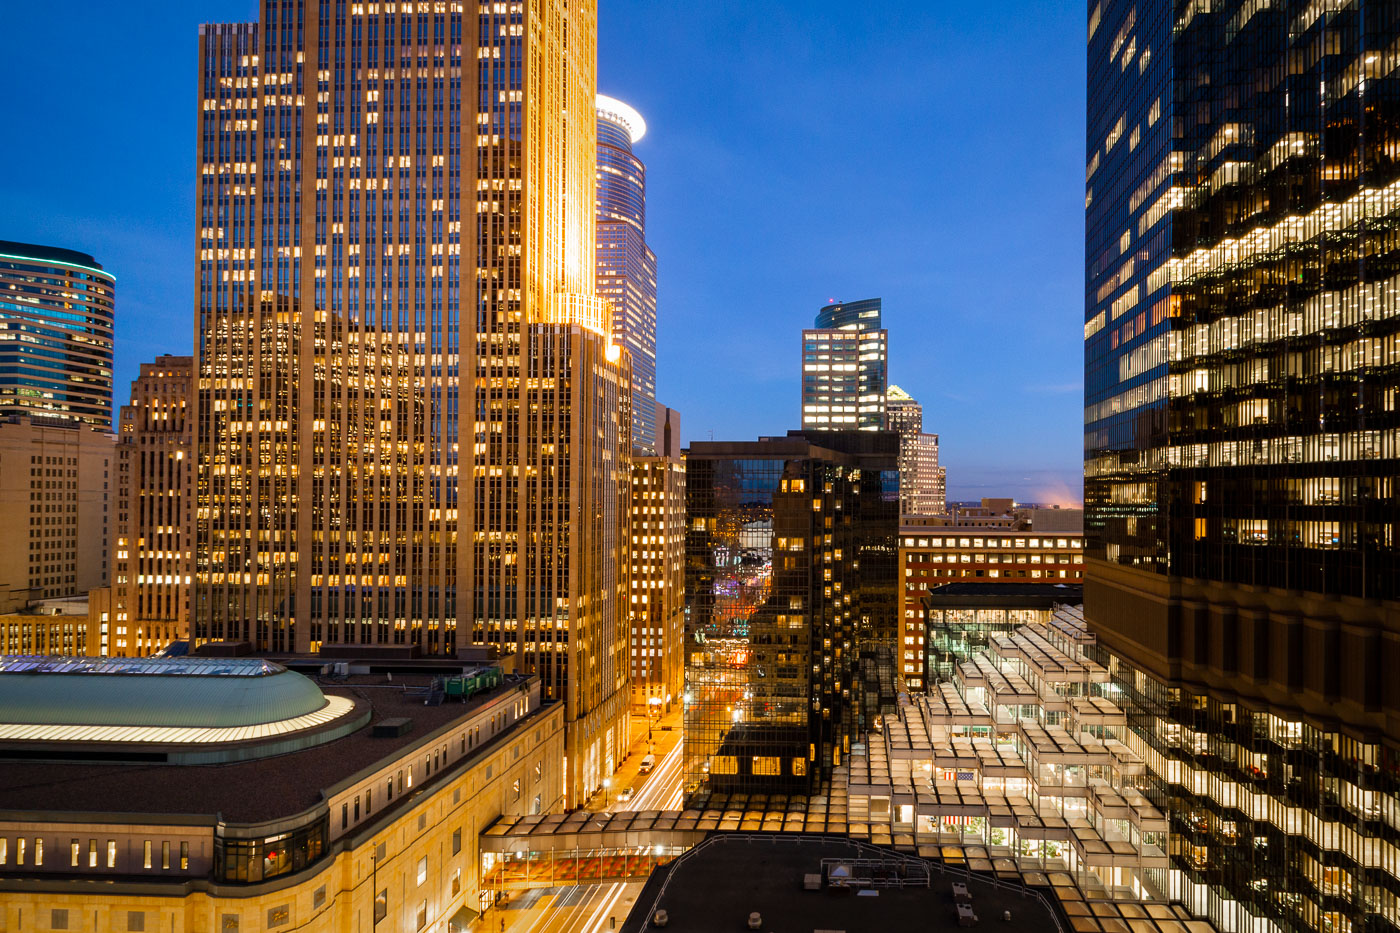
{"points": [[626, 265], [1241, 441], [790, 606], [845, 368], [56, 320]]}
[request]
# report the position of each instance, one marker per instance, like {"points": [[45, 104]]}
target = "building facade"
{"points": [[658, 583], [351, 824], [413, 426], [1241, 442], [845, 368], [790, 606], [77, 626], [935, 555], [626, 265], [57, 313], [151, 548], [57, 480], [922, 482]]}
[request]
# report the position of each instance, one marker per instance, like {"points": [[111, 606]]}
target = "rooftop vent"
{"points": [[391, 728]]}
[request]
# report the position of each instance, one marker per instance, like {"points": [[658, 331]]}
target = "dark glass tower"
{"points": [[790, 606], [56, 319], [626, 265], [1241, 440]]}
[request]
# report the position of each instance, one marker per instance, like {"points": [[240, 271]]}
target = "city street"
{"points": [[586, 908], [659, 790]]}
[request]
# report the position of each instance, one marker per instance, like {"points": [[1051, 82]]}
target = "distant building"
{"points": [[626, 264], [993, 543], [56, 488], [136, 794], [845, 368], [57, 310], [790, 606], [657, 605], [151, 564], [76, 626], [960, 619], [921, 479]]}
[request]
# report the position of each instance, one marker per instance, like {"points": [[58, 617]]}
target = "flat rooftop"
{"points": [[718, 884], [1014, 595], [243, 791]]}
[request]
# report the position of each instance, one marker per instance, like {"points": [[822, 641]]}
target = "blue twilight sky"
{"points": [[927, 152]]}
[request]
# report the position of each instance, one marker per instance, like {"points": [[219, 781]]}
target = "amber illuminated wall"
{"points": [[330, 286], [657, 607], [151, 555], [361, 352]]}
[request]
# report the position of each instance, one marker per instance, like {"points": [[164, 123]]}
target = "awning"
{"points": [[459, 921]]}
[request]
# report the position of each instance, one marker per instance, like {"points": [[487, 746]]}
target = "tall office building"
{"points": [[413, 437], [790, 606], [658, 570], [626, 265], [845, 368], [921, 480], [151, 548], [1241, 442], [56, 319], [56, 482]]}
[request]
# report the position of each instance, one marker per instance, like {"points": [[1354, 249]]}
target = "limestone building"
{"points": [[261, 800], [56, 486], [151, 558]]}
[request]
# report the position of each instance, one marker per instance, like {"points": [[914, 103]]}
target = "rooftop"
{"points": [[766, 873], [285, 785], [9, 249], [189, 693]]}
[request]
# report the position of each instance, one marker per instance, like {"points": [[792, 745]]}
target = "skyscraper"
{"points": [[790, 606], [626, 265], [658, 571], [154, 499], [845, 369], [413, 437], [1241, 441], [921, 481], [56, 319]]}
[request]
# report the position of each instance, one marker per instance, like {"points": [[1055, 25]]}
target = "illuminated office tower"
{"points": [[1241, 433], [154, 496], [626, 265], [413, 427], [56, 319], [658, 570], [845, 371], [921, 480]]}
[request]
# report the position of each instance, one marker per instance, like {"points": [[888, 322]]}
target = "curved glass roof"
{"points": [[165, 667], [199, 693]]}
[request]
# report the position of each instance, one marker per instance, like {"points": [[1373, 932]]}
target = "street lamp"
{"points": [[607, 783]]}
